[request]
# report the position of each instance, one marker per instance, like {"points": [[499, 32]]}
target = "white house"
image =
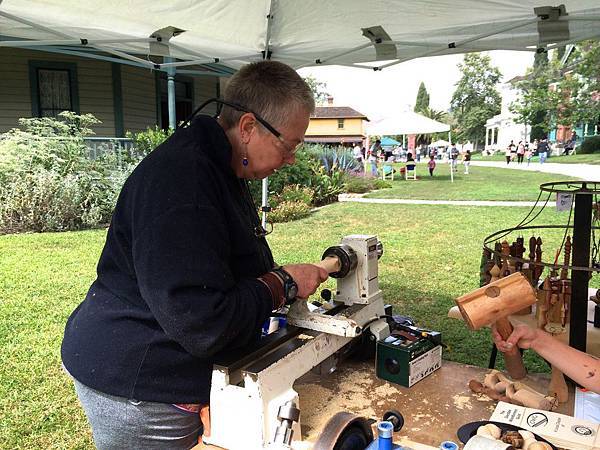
{"points": [[501, 129]]}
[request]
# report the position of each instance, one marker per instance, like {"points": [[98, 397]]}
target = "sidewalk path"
{"points": [[588, 172], [359, 199]]}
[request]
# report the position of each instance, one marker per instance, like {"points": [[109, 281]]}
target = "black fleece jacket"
{"points": [[176, 280]]}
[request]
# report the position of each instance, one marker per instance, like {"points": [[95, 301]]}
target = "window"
{"points": [[53, 88], [340, 124]]}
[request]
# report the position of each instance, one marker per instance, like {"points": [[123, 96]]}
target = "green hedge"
{"points": [[590, 145]]}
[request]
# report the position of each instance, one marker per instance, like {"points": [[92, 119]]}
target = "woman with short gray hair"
{"points": [[186, 273]]}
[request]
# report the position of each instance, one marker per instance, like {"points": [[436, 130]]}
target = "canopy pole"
{"points": [[171, 94], [265, 181]]}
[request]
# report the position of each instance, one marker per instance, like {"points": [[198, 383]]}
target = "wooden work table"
{"points": [[433, 409]]}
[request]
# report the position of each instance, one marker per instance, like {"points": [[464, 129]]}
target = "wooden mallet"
{"points": [[493, 304]]}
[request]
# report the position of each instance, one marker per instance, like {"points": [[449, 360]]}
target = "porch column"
{"points": [[171, 93]]}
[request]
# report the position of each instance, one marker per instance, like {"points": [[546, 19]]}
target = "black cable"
{"points": [[524, 222]]}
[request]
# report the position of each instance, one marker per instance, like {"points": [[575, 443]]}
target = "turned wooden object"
{"points": [[493, 304], [331, 264], [519, 394]]}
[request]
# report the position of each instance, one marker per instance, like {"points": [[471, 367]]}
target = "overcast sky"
{"points": [[380, 94]]}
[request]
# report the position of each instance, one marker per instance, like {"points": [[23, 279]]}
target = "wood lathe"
{"points": [[253, 403]]}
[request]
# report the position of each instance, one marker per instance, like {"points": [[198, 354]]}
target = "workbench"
{"points": [[433, 409]]}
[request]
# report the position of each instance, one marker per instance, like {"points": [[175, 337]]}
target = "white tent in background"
{"points": [[439, 143], [406, 123]]}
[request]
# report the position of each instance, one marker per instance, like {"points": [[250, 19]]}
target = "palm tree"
{"points": [[434, 114]]}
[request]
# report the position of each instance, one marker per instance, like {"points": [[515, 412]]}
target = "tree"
{"points": [[536, 98], [475, 99], [318, 88], [581, 83], [554, 94], [422, 101]]}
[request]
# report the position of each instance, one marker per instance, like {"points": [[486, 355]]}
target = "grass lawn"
{"points": [[593, 158], [431, 256], [482, 183]]}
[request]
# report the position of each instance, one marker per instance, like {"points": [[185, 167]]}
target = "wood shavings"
{"points": [[462, 402]]}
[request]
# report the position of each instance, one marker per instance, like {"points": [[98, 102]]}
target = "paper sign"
{"points": [[564, 431], [563, 201]]}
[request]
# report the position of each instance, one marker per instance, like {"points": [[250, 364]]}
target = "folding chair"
{"points": [[387, 171], [411, 171]]}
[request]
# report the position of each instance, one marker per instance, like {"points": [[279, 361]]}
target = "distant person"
{"points": [[508, 155], [571, 144], [376, 148], [388, 153], [513, 150], [454, 157], [373, 161], [528, 154], [431, 165], [410, 162], [542, 149], [357, 153], [467, 161], [520, 152]]}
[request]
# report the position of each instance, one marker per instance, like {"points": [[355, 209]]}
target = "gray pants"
{"points": [[121, 424]]}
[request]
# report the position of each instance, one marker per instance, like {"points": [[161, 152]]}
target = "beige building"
{"points": [[123, 96], [336, 125]]}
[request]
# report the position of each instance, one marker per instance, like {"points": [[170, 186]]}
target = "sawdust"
{"points": [[321, 404], [462, 402], [386, 390]]}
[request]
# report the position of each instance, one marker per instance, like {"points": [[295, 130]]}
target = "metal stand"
{"points": [[583, 193], [582, 228]]}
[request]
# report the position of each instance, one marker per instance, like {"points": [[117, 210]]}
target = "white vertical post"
{"points": [[171, 93]]}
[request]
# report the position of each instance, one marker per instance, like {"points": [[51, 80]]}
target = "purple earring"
{"points": [[244, 161]]}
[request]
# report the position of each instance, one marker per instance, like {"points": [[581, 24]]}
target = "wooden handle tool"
{"points": [[512, 358], [493, 304]]}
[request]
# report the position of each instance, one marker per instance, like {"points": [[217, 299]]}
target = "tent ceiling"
{"points": [[300, 33]]}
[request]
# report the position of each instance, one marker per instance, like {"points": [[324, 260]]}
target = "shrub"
{"points": [[590, 145], [146, 141], [326, 187], [359, 185], [49, 201], [296, 193], [334, 158], [48, 182], [381, 184], [289, 210]]}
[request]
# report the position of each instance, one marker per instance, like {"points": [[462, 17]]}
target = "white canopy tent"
{"points": [[300, 33], [406, 123]]}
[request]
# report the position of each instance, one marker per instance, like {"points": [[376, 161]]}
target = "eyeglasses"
{"points": [[289, 150]]}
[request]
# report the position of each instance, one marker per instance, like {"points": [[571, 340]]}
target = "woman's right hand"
{"points": [[522, 336], [308, 277]]}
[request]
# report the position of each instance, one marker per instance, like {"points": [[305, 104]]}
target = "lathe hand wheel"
{"points": [[345, 431], [395, 417]]}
